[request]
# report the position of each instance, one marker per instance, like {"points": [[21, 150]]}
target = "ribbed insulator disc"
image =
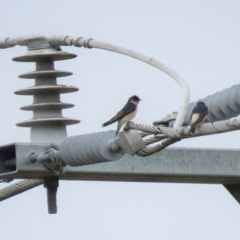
{"points": [[46, 89], [47, 121], [45, 73], [40, 106], [33, 56]]}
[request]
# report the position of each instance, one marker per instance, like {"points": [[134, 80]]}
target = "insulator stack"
{"points": [[47, 124], [221, 105]]}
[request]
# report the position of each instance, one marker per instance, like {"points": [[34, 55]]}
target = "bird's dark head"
{"points": [[200, 103], [134, 99]]}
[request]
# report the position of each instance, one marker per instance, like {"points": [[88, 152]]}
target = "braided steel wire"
{"points": [[19, 187]]}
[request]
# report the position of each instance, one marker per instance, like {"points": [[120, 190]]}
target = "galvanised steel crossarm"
{"points": [[188, 165]]}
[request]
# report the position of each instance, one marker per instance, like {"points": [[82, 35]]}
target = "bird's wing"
{"points": [[128, 108], [198, 118]]}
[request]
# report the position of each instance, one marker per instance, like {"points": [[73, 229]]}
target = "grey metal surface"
{"points": [[7, 152], [9, 163], [177, 165], [234, 190], [51, 183]]}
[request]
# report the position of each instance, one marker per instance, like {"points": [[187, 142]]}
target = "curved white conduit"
{"points": [[90, 43], [161, 66]]}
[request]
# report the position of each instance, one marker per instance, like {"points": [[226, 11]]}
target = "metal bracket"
{"points": [[50, 159]]}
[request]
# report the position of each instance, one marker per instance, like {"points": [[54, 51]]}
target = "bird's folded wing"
{"points": [[128, 108]]}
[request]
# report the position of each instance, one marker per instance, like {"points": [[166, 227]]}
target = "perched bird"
{"points": [[127, 113], [199, 114]]}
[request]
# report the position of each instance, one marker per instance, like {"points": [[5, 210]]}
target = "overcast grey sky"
{"points": [[198, 39]]}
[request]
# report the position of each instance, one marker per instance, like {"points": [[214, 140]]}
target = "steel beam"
{"points": [[177, 165]]}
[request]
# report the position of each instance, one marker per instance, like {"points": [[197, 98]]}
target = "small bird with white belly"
{"points": [[199, 114], [127, 113]]}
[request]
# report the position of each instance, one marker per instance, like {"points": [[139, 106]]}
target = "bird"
{"points": [[199, 114], [127, 113]]}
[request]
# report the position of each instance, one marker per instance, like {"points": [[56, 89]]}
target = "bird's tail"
{"points": [[106, 124], [112, 120]]}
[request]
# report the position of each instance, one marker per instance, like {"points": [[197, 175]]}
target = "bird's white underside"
{"points": [[127, 118], [195, 117], [130, 116]]}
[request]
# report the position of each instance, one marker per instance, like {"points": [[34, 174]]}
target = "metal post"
{"points": [[51, 184]]}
